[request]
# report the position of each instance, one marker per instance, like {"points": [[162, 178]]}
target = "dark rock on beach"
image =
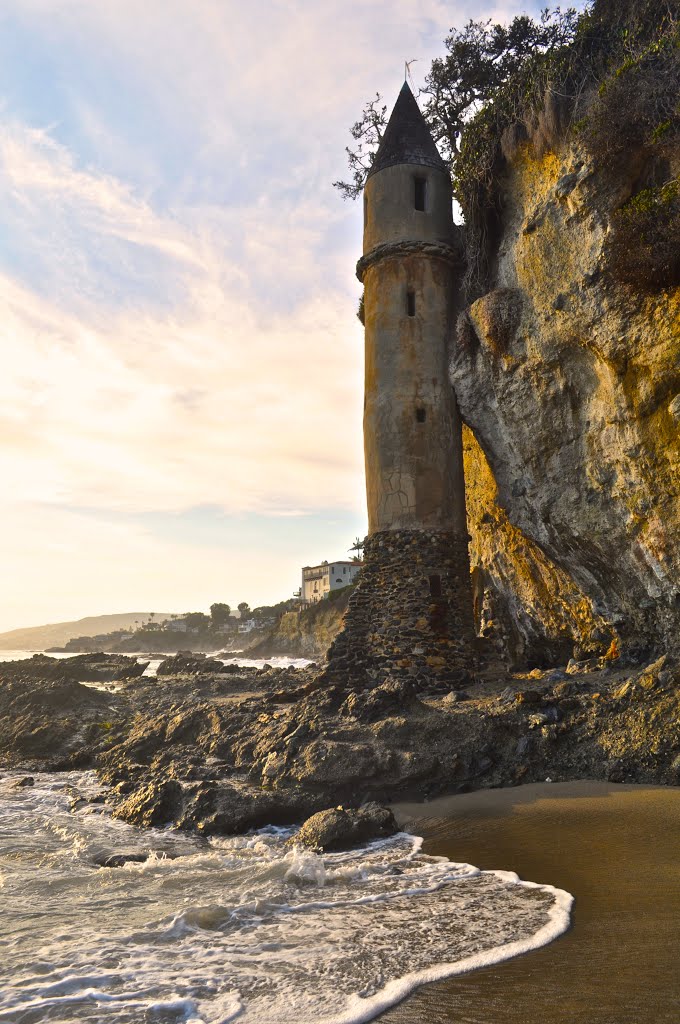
{"points": [[393, 697], [188, 664], [118, 860], [340, 828], [47, 723], [226, 751], [82, 668], [157, 803]]}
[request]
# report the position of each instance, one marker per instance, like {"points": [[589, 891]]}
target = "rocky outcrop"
{"points": [[213, 754], [52, 723], [84, 668], [307, 633], [188, 663], [533, 610], [340, 828], [569, 382], [157, 803]]}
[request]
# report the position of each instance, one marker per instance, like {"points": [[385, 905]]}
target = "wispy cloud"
{"points": [[167, 412], [176, 278]]}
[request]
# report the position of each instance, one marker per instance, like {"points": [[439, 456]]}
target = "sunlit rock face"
{"points": [[532, 609], [570, 383]]}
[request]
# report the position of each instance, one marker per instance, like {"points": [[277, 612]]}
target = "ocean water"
{"points": [[243, 928], [22, 655], [279, 661]]}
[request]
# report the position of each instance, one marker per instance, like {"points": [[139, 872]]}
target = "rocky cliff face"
{"points": [[306, 634], [532, 609], [569, 382]]}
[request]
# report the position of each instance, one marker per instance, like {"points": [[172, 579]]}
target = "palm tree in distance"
{"points": [[358, 546]]}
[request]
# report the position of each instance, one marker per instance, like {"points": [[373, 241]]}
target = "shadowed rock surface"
{"points": [[340, 828], [83, 668], [190, 664], [225, 752]]}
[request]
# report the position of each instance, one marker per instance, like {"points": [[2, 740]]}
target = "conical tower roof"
{"points": [[407, 138]]}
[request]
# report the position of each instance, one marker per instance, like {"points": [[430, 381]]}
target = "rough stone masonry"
{"points": [[411, 613]]}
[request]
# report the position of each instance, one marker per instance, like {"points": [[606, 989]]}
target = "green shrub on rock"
{"points": [[643, 250]]}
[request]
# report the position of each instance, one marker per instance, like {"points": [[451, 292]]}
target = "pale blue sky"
{"points": [[180, 407]]}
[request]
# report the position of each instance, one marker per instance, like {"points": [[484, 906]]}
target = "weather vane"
{"points": [[407, 69]]}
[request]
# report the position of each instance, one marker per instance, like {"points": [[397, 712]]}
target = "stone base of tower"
{"points": [[410, 616]]}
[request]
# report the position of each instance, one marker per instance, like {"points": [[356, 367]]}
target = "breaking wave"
{"points": [[207, 931]]}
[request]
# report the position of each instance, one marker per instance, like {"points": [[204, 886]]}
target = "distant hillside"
{"points": [[35, 638]]}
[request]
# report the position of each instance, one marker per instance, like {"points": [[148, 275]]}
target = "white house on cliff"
{"points": [[319, 580]]}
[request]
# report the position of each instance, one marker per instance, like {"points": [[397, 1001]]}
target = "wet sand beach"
{"points": [[617, 850]]}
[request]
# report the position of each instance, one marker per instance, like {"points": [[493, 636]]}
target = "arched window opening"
{"points": [[411, 303]]}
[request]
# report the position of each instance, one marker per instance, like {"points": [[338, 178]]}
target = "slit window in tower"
{"points": [[411, 303], [435, 586], [420, 415], [419, 193]]}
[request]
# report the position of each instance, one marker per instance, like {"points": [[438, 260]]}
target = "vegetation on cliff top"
{"points": [[612, 74], [481, 60]]}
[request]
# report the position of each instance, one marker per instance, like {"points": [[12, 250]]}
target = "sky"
{"points": [[181, 384]]}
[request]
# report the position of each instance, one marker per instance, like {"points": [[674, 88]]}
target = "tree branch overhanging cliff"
{"points": [[501, 87]]}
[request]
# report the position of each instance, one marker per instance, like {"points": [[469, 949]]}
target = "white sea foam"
{"points": [[206, 932], [241, 660]]}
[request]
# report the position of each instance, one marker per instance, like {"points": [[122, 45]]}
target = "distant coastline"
{"points": [[284, 629], [56, 634]]}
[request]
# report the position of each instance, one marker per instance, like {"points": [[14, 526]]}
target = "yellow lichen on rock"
{"points": [[522, 599], [571, 385]]}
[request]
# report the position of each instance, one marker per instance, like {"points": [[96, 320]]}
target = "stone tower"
{"points": [[412, 435], [411, 613]]}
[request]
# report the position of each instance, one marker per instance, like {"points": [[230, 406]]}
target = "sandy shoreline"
{"points": [[615, 848]]}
